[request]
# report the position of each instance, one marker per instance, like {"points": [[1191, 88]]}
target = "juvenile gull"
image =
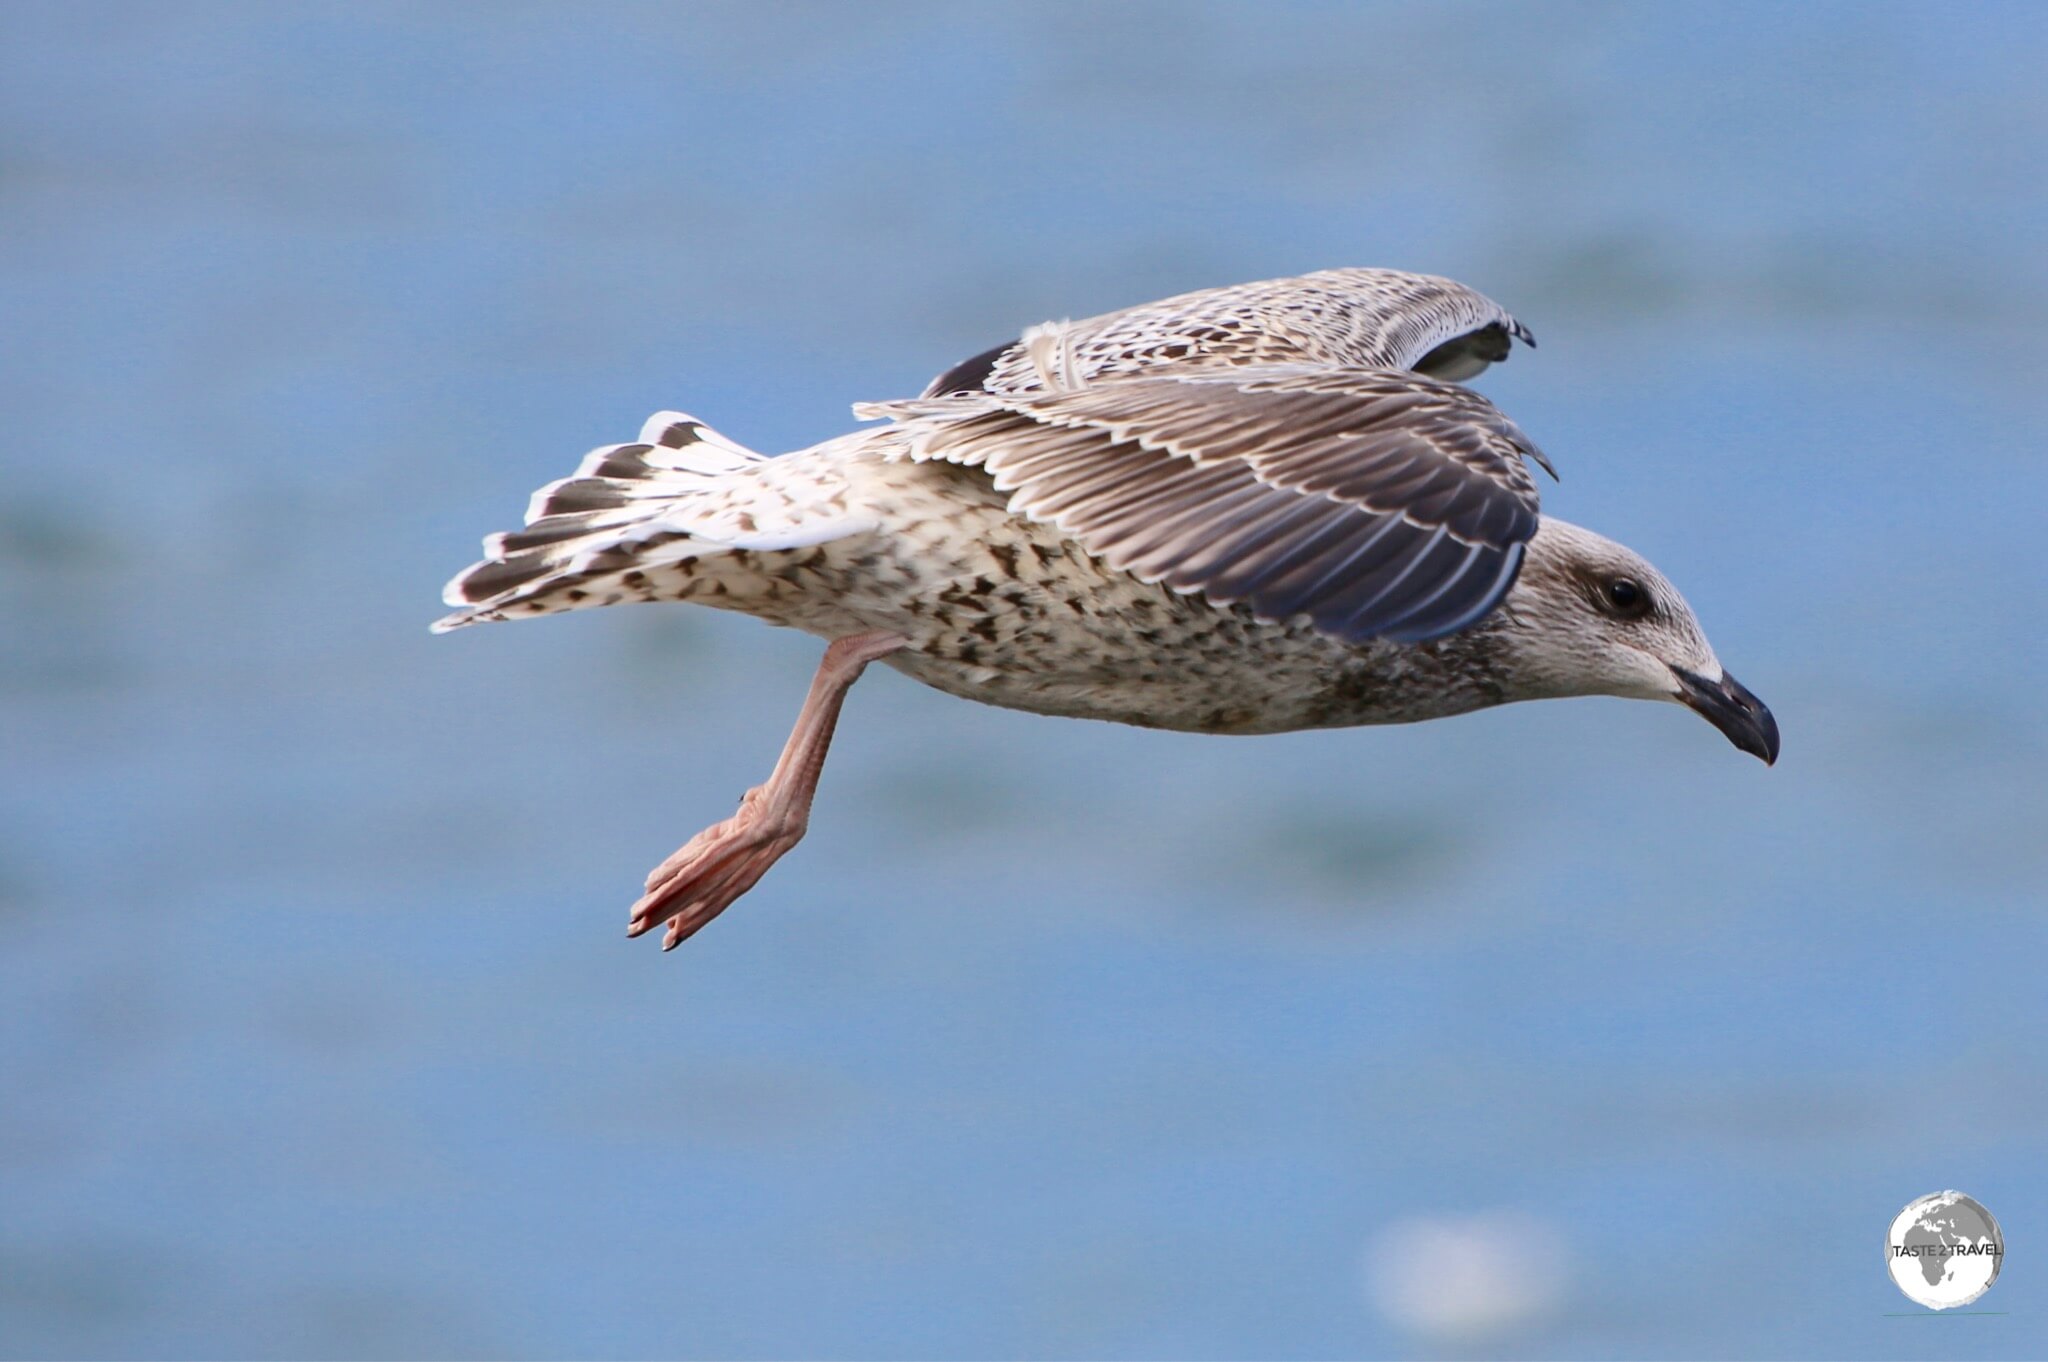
{"points": [[1245, 510]]}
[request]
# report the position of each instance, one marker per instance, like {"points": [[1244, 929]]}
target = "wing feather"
{"points": [[1344, 318], [1380, 504]]}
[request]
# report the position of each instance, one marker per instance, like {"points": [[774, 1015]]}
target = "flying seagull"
{"points": [[1250, 509]]}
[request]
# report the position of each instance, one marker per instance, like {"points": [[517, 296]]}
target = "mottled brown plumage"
{"points": [[1239, 511]]}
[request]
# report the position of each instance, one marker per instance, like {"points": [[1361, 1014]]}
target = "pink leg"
{"points": [[704, 877]]}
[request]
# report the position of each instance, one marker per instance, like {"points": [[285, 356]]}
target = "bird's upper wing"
{"points": [[1379, 504], [1347, 319]]}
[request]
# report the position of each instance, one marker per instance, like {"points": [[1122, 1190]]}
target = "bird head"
{"points": [[1588, 616]]}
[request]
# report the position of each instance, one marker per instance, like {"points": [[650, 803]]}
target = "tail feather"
{"points": [[670, 445], [680, 491]]}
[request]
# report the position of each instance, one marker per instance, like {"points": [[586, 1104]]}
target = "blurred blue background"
{"points": [[318, 1031]]}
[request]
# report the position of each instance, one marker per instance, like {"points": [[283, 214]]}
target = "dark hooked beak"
{"points": [[1728, 706]]}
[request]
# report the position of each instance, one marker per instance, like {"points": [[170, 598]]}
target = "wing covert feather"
{"points": [[1380, 504]]}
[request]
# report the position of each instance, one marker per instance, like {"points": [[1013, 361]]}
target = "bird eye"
{"points": [[1627, 598]]}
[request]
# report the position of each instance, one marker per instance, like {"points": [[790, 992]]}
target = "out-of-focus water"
{"points": [[318, 1032]]}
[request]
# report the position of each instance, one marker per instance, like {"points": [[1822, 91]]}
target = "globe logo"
{"points": [[1944, 1250]]}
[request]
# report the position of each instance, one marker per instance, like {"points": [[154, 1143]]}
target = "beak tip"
{"points": [[1769, 727]]}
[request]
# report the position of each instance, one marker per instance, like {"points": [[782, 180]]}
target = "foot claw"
{"points": [[709, 872]]}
